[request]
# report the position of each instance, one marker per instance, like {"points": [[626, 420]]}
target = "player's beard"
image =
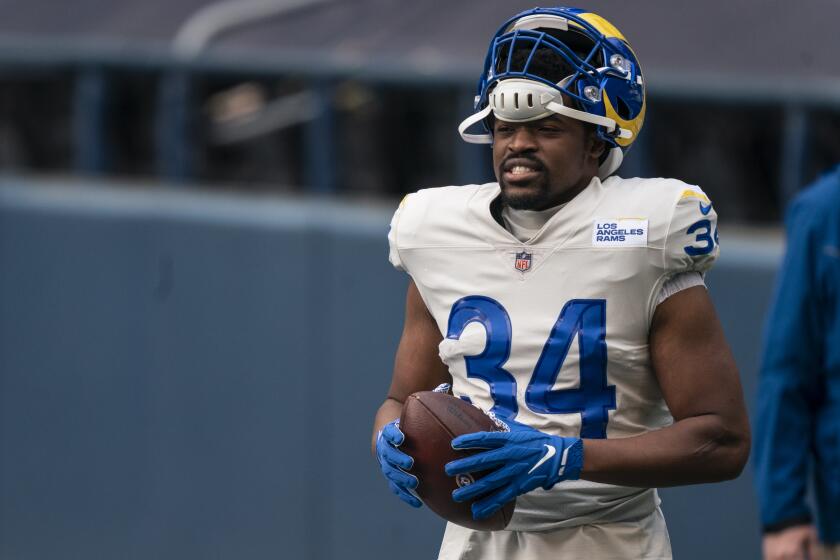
{"points": [[536, 197]]}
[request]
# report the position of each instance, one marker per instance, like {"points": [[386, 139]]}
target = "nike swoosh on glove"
{"points": [[394, 463], [520, 460]]}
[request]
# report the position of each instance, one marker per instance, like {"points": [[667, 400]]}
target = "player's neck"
{"points": [[525, 224]]}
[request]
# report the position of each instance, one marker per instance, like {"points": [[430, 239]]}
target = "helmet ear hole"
{"points": [[623, 109]]}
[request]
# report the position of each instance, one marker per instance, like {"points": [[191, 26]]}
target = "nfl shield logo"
{"points": [[522, 262]]}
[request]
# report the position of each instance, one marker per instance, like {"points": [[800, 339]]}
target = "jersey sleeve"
{"points": [[691, 242], [393, 237]]}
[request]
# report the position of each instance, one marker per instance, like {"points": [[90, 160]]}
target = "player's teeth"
{"points": [[520, 169]]}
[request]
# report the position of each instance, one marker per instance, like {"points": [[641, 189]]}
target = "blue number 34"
{"points": [[584, 318], [703, 233]]}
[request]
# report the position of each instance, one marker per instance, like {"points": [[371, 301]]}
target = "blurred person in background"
{"points": [[571, 304], [798, 419]]}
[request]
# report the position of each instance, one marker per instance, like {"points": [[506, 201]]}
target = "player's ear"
{"points": [[595, 147]]}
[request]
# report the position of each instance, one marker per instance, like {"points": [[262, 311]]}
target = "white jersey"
{"points": [[554, 331]]}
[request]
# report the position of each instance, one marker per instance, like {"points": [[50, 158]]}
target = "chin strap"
{"points": [[471, 120], [608, 123], [552, 106]]}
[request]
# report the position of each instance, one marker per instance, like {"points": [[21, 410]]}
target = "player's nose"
{"points": [[522, 140]]}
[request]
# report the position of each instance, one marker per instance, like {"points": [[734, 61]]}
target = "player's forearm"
{"points": [[389, 410], [694, 450]]}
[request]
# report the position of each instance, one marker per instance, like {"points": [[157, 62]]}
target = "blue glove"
{"points": [[523, 458], [393, 463]]}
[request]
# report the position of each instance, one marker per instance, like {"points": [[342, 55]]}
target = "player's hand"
{"points": [[521, 460], [394, 463], [794, 543]]}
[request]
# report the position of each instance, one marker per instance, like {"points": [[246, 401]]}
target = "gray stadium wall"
{"points": [[186, 375]]}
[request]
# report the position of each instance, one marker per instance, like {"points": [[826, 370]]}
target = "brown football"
{"points": [[430, 421]]}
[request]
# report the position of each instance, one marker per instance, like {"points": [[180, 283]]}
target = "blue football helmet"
{"points": [[601, 81]]}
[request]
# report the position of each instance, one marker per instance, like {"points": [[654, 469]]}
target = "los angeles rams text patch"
{"points": [[623, 232]]}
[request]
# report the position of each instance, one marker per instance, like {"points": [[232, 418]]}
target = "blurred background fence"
{"points": [[197, 316]]}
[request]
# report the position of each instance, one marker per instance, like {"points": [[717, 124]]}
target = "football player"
{"points": [[571, 304]]}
